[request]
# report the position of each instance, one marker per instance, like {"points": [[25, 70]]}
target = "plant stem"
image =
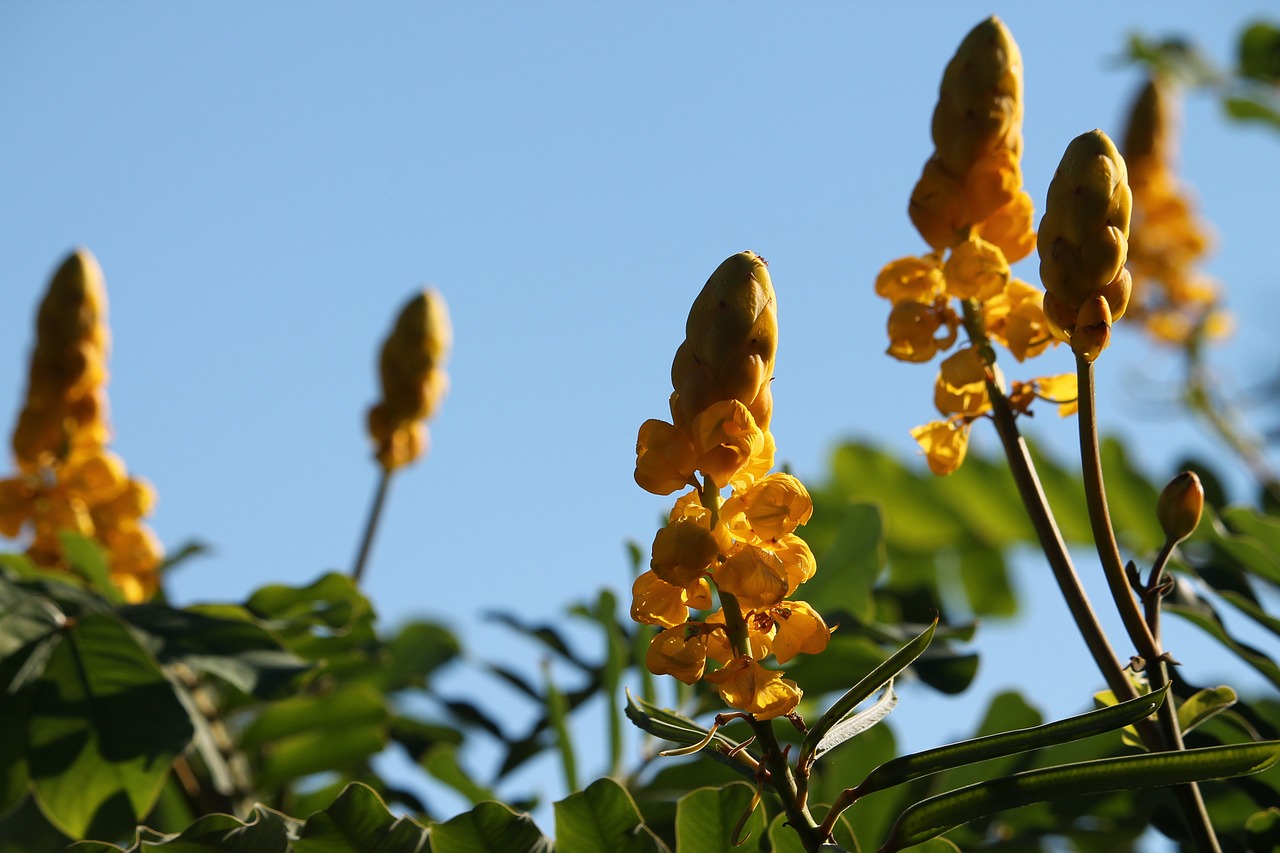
{"points": [[784, 782], [1046, 528], [371, 526], [1192, 803]]}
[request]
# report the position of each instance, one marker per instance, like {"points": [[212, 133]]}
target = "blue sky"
{"points": [[265, 184]]}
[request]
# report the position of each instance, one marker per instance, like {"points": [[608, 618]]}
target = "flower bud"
{"points": [[1180, 506], [1083, 243], [731, 342]]}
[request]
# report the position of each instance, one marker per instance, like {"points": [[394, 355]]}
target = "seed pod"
{"points": [[1180, 506], [977, 134], [66, 403], [731, 341], [411, 367], [1083, 242]]}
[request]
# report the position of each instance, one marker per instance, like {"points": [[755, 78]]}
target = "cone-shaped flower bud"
{"points": [[1180, 506], [977, 134], [1083, 244], [66, 403], [411, 368], [731, 342]]}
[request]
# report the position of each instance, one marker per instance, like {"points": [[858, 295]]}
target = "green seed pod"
{"points": [[1180, 506], [731, 341]]}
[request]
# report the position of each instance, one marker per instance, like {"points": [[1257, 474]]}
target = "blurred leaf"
{"points": [[947, 670], [180, 555], [543, 634], [104, 728], [861, 690], [1260, 52], [558, 720], [1174, 56], [851, 564], [234, 649], [846, 655], [1264, 830], [442, 763], [328, 619], [418, 736], [266, 831], [966, 752], [358, 822], [1131, 499], [416, 651], [88, 559], [1204, 705], [1251, 553], [602, 818], [489, 828], [25, 829], [936, 815], [706, 818], [985, 576], [1185, 603], [356, 705]]}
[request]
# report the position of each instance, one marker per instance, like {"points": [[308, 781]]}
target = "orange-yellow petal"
{"points": [[664, 457], [679, 651], [746, 685], [944, 443]]}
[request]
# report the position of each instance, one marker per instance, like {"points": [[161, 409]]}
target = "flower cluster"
{"points": [[67, 479], [1172, 299], [411, 368], [742, 549], [970, 207]]}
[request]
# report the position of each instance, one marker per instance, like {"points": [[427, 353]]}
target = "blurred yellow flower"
{"points": [[911, 279], [976, 269], [944, 443], [961, 387]]}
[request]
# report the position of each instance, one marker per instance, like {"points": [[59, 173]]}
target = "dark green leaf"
{"points": [[234, 649], [936, 815], [706, 819], [1260, 52], [856, 695], [417, 650], [602, 818], [358, 822], [489, 828], [357, 705], [918, 764], [105, 725], [851, 564]]}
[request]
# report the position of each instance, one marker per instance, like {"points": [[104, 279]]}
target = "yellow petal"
{"points": [[944, 444], [679, 651], [747, 686]]}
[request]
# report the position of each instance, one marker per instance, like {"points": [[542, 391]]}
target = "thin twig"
{"points": [[371, 526]]}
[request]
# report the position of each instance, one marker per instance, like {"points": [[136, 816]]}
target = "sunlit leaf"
{"points": [[603, 818], [706, 819], [856, 724], [105, 725], [358, 822], [1204, 705], [489, 828]]}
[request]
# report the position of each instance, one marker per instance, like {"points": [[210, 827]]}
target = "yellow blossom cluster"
{"points": [[970, 207], [411, 368], [67, 479], [1172, 298], [742, 549]]}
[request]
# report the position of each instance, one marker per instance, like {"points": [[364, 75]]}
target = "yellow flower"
{"points": [[683, 551], [776, 506], [798, 563], [665, 458], [726, 439], [656, 602], [1010, 228], [411, 367], [760, 630], [746, 685], [961, 388], [754, 575], [1015, 318], [944, 443], [799, 629], [1062, 389], [976, 269], [679, 651], [914, 329], [911, 280]]}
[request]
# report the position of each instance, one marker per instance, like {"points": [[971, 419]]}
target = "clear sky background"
{"points": [[266, 184]]}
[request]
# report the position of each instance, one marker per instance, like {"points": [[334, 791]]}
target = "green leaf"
{"points": [[868, 684], [356, 705], [1260, 52], [855, 724], [266, 831], [489, 828], [603, 818], [987, 588], [88, 559], [852, 563], [105, 726], [359, 822], [1204, 705], [706, 819], [416, 651], [1198, 612], [441, 761], [1263, 829], [668, 725], [328, 620], [936, 815], [954, 755], [234, 649]]}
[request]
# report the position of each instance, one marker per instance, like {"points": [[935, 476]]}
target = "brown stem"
{"points": [[1189, 797], [783, 781], [371, 526]]}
